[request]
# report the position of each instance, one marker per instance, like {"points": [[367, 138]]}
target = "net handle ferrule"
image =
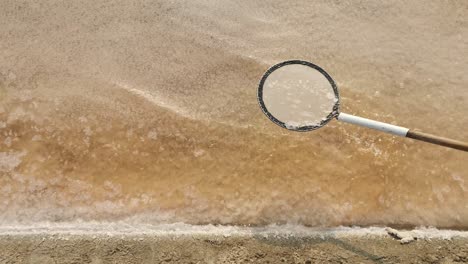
{"points": [[402, 131]]}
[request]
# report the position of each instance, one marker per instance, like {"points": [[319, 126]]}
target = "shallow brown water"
{"points": [[146, 111]]}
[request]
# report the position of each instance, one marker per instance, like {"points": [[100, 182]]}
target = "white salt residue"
{"points": [[432, 232], [154, 99], [180, 229], [292, 125], [460, 181], [10, 160], [367, 146], [123, 228], [24, 95], [306, 114], [198, 152], [375, 150], [16, 115], [288, 99], [440, 192], [296, 125], [7, 141], [108, 206], [153, 135], [83, 119], [112, 189], [426, 233], [169, 105], [405, 237], [87, 131], [36, 138], [36, 185]]}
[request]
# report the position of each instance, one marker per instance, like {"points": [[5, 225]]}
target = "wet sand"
{"points": [[202, 248]]}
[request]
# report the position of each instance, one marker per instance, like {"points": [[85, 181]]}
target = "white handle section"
{"points": [[395, 130]]}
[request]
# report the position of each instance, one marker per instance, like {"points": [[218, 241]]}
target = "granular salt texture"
{"points": [[298, 95]]}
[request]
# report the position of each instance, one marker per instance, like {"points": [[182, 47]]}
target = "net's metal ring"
{"points": [[335, 110]]}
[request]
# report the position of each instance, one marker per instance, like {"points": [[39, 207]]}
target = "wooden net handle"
{"points": [[402, 131], [437, 140]]}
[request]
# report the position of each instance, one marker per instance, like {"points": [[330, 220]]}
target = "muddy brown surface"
{"points": [[220, 249]]}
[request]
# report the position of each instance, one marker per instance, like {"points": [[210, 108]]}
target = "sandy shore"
{"points": [[210, 244]]}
